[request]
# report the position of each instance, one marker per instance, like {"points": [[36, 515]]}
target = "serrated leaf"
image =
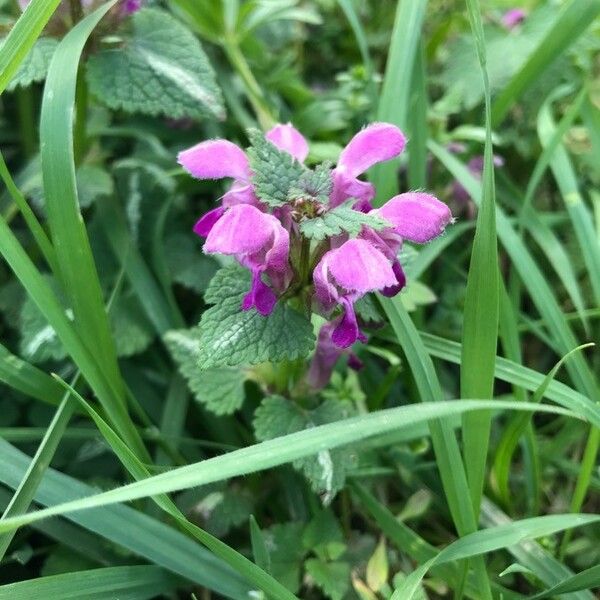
{"points": [[220, 390], [332, 577], [342, 219], [92, 183], [160, 70], [274, 172], [286, 554], [186, 263], [326, 472], [131, 330], [315, 185], [225, 510], [35, 65], [230, 336]]}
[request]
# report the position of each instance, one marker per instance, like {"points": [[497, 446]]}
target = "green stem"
{"points": [[26, 120], [253, 89], [588, 464]]}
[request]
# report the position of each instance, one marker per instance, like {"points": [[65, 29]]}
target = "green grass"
{"points": [[477, 410]]}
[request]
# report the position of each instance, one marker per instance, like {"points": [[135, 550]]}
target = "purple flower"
{"points": [[325, 358], [374, 144], [513, 17], [289, 139], [417, 217], [475, 166], [220, 159], [259, 242], [131, 6], [344, 275]]}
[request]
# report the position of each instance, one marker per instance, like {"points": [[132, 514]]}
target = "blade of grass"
{"points": [[126, 583], [280, 451], [531, 555], [586, 580], [23, 495], [363, 46], [27, 379], [76, 264], [495, 538], [37, 231], [582, 221], [137, 532], [136, 468], [516, 374], [395, 92], [531, 276], [481, 312], [574, 19], [22, 36], [446, 448], [516, 427], [406, 540]]}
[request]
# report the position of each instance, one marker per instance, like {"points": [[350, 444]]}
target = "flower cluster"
{"points": [[330, 273]]}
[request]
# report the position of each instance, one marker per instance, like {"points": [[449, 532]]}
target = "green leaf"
{"points": [[314, 185], [186, 263], [160, 70], [286, 554], [274, 171], [342, 219], [92, 183], [221, 390], [230, 336], [326, 472], [35, 66], [128, 583], [22, 37], [132, 331], [332, 577], [136, 532], [225, 510], [481, 313], [278, 451]]}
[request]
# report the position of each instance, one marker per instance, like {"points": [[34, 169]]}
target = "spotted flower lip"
{"points": [[344, 275], [374, 144], [259, 242]]}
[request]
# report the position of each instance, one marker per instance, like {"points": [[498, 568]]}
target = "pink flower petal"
{"points": [[260, 296], [417, 217], [242, 230], [357, 266], [207, 221], [215, 159], [240, 193], [289, 139], [375, 143]]}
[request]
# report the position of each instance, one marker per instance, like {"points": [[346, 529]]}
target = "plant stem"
{"points": [[253, 89]]}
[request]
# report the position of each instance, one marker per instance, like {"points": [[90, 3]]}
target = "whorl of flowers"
{"points": [[322, 241]]}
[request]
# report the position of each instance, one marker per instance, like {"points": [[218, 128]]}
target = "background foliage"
{"points": [[385, 484]]}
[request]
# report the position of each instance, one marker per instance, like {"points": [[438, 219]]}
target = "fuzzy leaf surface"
{"points": [[230, 336], [161, 69]]}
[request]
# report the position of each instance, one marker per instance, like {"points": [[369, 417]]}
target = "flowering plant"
{"points": [[311, 238]]}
